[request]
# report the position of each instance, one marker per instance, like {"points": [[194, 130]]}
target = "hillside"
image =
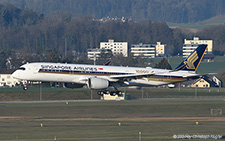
{"points": [[177, 11], [214, 21]]}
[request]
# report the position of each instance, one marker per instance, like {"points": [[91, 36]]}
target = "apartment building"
{"points": [[148, 50], [190, 45], [115, 47]]}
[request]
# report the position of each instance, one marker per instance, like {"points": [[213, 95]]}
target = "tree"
{"points": [[52, 56], [163, 64], [104, 57]]}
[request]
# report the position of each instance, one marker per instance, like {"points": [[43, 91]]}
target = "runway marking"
{"points": [[116, 119]]}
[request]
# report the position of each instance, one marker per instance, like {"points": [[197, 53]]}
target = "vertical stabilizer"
{"points": [[192, 62]]}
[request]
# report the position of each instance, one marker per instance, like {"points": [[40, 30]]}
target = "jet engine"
{"points": [[73, 85], [97, 83]]}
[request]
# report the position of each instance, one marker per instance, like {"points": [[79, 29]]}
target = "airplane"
{"points": [[101, 77]]}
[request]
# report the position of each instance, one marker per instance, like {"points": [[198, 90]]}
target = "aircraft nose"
{"points": [[15, 74]]}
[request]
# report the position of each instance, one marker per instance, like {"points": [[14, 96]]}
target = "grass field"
{"points": [[156, 120], [215, 21], [158, 117], [46, 93]]}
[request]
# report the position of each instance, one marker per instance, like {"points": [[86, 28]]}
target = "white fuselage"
{"points": [[78, 73]]}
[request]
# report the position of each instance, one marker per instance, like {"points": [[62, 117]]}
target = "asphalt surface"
{"points": [[98, 100]]}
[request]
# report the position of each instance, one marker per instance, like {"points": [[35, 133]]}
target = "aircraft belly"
{"points": [[146, 83], [55, 77]]}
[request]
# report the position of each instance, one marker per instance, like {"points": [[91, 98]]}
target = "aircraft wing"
{"points": [[124, 77], [131, 76]]}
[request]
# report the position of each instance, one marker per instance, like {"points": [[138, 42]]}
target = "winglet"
{"points": [[192, 62]]}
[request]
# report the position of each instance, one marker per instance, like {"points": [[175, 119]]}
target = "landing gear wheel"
{"points": [[24, 84], [112, 93], [101, 93], [25, 88], [106, 92], [119, 93]]}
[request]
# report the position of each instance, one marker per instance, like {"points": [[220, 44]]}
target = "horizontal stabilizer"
{"points": [[199, 75]]}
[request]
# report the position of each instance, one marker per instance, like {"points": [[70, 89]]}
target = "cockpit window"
{"points": [[21, 68]]}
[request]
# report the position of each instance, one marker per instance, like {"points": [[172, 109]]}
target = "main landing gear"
{"points": [[112, 93]]}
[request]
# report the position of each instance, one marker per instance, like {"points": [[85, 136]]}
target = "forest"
{"points": [[29, 36], [179, 11]]}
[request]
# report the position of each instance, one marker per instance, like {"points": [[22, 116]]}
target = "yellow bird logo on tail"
{"points": [[191, 60]]}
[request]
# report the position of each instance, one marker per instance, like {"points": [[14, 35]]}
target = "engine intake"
{"points": [[97, 83]]}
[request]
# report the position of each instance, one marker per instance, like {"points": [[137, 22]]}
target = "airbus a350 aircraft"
{"points": [[102, 77]]}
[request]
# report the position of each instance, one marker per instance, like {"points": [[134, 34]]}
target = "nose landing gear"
{"points": [[24, 85]]}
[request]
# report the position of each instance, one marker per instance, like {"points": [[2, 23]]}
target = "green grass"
{"points": [[126, 109], [34, 94], [214, 21], [157, 120], [219, 20]]}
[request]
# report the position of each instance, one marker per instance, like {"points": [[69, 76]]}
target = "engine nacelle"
{"points": [[73, 85], [97, 83]]}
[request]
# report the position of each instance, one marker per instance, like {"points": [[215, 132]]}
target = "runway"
{"points": [[99, 100]]}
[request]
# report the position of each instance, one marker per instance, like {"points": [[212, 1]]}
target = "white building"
{"points": [[116, 47], [8, 80], [148, 50], [144, 50], [190, 45], [160, 49], [95, 53]]}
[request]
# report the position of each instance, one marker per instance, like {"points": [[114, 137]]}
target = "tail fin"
{"points": [[192, 62]]}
